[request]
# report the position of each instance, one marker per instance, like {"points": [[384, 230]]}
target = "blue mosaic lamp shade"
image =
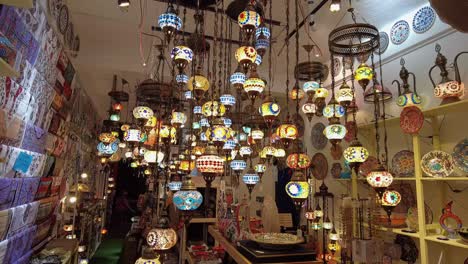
{"points": [[262, 44], [335, 131], [227, 99], [169, 19], [229, 145], [188, 200], [262, 30], [188, 95], [182, 78], [332, 110], [251, 178], [204, 122], [258, 60], [182, 53], [174, 185], [310, 86], [197, 110], [227, 121], [238, 165], [237, 78], [108, 149]]}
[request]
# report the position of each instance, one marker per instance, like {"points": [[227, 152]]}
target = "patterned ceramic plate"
{"points": [[399, 32], [411, 120], [437, 164], [424, 19], [403, 164], [337, 66], [319, 166], [319, 141], [336, 170], [460, 155], [384, 41], [369, 165]]}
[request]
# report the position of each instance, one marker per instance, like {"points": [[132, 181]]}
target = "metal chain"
{"points": [[376, 110], [287, 59], [270, 75]]}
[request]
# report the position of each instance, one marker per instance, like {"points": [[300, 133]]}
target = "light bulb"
{"points": [[123, 3], [335, 6]]}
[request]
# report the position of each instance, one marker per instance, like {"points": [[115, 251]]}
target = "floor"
{"points": [[108, 252]]}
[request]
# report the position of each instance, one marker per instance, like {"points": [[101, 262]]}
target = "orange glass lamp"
{"points": [[363, 75], [245, 56], [297, 161], [380, 180], [269, 110], [210, 164], [296, 94], [117, 106], [390, 199], [249, 20], [287, 133]]}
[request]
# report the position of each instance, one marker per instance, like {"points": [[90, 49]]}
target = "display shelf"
{"points": [[457, 107], [203, 220], [397, 231], [445, 179], [451, 242], [28, 4], [5, 69]]}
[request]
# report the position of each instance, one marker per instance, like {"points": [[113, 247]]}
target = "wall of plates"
{"points": [[47, 130]]}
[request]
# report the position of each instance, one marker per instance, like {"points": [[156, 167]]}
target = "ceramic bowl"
{"points": [[463, 232], [276, 241]]}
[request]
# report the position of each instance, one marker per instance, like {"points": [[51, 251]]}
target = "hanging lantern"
{"points": [[198, 151], [390, 199], [237, 80], [335, 132], [269, 151], [197, 110], [198, 84], [245, 151], [188, 198], [298, 161], [310, 88], [258, 61], [262, 30], [161, 238], [245, 55], [260, 169], [333, 109], [133, 135], [261, 45], [287, 133], [257, 134], [334, 236], [298, 188], [152, 156], [254, 86], [213, 109], [178, 119], [167, 134], [227, 122], [182, 56], [150, 123], [117, 106], [143, 112], [345, 95], [309, 109], [327, 224], [355, 154], [280, 153], [188, 95], [227, 100], [320, 95], [249, 20], [250, 179], [309, 215], [149, 257], [174, 186], [210, 164], [107, 137], [269, 110], [218, 133], [363, 75], [296, 94], [182, 79], [169, 22], [238, 165], [379, 179]]}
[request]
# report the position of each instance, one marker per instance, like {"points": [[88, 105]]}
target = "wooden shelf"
{"points": [[18, 3], [451, 242], [395, 179], [203, 220], [445, 179], [5, 69], [457, 107]]}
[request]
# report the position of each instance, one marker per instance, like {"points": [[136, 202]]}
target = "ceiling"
{"points": [[110, 41]]}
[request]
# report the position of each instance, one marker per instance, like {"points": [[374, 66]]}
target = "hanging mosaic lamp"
{"points": [[169, 22], [309, 109], [280, 153], [310, 87], [287, 133], [379, 180], [298, 161], [149, 257], [345, 95], [198, 84], [245, 151], [262, 31], [269, 110], [320, 95], [254, 86], [210, 164], [363, 75], [262, 44], [298, 188], [296, 93], [213, 109], [249, 20], [174, 186], [188, 198], [257, 134], [238, 165], [260, 169], [228, 101], [245, 56], [182, 79], [250, 178], [133, 135], [269, 152], [181, 56], [237, 80], [355, 154], [335, 131], [390, 199], [153, 156], [218, 133], [333, 109], [142, 113], [178, 119], [162, 237]]}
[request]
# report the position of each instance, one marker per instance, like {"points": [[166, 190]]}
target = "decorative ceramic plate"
{"points": [[460, 155], [403, 164], [384, 41], [276, 240], [319, 166], [336, 170], [336, 152], [411, 120], [369, 165], [319, 141], [399, 32], [424, 19], [63, 19], [351, 129], [337, 66], [438, 164]]}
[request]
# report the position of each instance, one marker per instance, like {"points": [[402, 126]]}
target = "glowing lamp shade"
{"points": [[260, 168], [132, 135], [333, 110], [151, 122], [169, 22], [269, 151], [227, 100], [296, 94], [452, 90], [218, 134], [142, 112], [251, 178], [298, 161], [321, 93], [153, 156], [345, 95], [269, 110], [335, 131], [115, 117], [254, 86], [257, 134], [379, 178], [280, 153], [246, 55], [186, 166], [148, 258], [187, 200], [238, 165], [245, 151], [213, 109], [188, 95], [198, 84], [309, 215], [287, 131], [182, 54], [363, 75], [197, 110], [226, 121], [408, 99], [334, 236], [108, 149], [261, 45], [262, 30], [356, 154], [178, 119], [107, 137], [167, 132], [297, 189], [182, 78], [174, 186], [161, 238], [310, 87], [229, 145], [258, 59], [210, 164], [249, 18], [309, 108], [237, 80], [327, 225], [391, 198]]}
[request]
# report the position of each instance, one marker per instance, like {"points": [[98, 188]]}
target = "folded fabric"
{"points": [[5, 220], [27, 191], [8, 189], [3, 251]]}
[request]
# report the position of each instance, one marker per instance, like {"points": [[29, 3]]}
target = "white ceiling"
{"points": [[110, 39]]}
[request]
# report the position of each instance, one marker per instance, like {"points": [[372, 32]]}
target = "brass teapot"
{"points": [[406, 97], [448, 90]]}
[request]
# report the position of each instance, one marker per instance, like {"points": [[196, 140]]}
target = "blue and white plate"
{"points": [[399, 32], [424, 19], [384, 41]]}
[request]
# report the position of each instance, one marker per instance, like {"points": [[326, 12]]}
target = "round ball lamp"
{"points": [[379, 180], [182, 56], [335, 131], [254, 86], [363, 75], [227, 100], [149, 257], [250, 179], [309, 108], [310, 88], [390, 199], [297, 161], [237, 80], [287, 133], [345, 95], [169, 22], [269, 110], [245, 56], [298, 188], [355, 154], [198, 84], [210, 164], [249, 20], [188, 198], [260, 169]]}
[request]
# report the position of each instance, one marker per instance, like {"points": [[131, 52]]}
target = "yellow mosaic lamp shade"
{"points": [[269, 109], [296, 94], [142, 112], [391, 198], [178, 119], [107, 137], [345, 95], [219, 134], [198, 83], [287, 131], [254, 86], [246, 55], [151, 122], [321, 93], [363, 75], [213, 109], [297, 189], [280, 153], [249, 18], [269, 151]]}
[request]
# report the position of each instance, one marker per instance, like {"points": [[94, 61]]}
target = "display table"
{"points": [[232, 250]]}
